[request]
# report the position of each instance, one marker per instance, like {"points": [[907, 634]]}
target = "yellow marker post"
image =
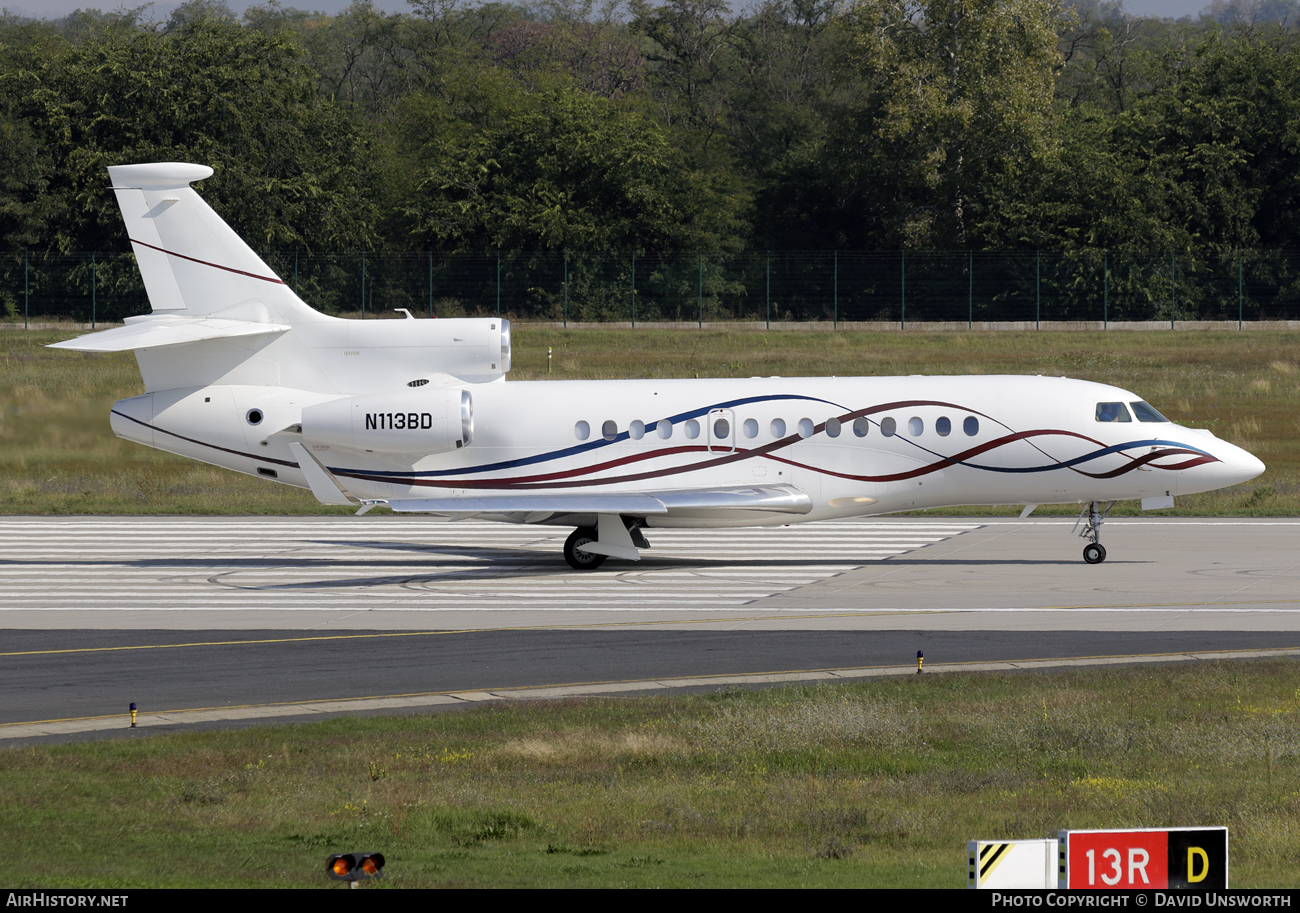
{"points": [[920, 658], [133, 714]]}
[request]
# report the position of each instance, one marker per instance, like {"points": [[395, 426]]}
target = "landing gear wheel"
{"points": [[573, 553], [1093, 515]]}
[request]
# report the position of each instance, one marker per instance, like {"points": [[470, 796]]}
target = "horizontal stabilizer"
{"points": [[157, 330], [777, 498]]}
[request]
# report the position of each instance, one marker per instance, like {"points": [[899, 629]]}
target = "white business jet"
{"points": [[417, 414]]}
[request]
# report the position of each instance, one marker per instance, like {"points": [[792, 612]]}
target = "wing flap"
{"points": [[775, 498], [785, 499], [600, 503]]}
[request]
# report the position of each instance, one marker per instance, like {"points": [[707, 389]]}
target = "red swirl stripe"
{"points": [[229, 269]]}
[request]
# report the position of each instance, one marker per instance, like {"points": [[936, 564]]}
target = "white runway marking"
{"points": [[165, 564]]}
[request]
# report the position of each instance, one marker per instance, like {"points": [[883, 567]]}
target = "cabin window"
{"points": [[861, 426], [778, 427], [636, 430], [664, 429], [942, 426], [582, 431], [888, 427], [805, 427], [971, 426], [915, 426], [832, 427], [692, 429], [1145, 413], [721, 429], [609, 430], [751, 428], [1112, 412]]}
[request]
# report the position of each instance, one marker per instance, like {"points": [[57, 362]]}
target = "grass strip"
{"points": [[876, 783]]}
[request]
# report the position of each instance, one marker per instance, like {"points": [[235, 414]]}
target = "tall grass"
{"points": [[878, 783]]}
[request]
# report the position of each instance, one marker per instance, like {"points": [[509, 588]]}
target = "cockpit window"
{"points": [[1145, 413], [1112, 412]]}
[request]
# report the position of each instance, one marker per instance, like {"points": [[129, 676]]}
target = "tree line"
{"points": [[668, 127]]}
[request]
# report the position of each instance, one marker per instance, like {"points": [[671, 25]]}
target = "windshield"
{"points": [[1145, 413]]}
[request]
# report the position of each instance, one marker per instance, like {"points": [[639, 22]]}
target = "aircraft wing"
{"points": [[778, 498], [682, 501]]}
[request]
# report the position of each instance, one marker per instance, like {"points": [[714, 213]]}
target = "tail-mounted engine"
{"points": [[423, 421]]}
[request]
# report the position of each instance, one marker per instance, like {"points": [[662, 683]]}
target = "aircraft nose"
{"points": [[1242, 464], [1231, 465]]}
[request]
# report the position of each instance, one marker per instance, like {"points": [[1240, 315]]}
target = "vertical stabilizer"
{"points": [[193, 264]]}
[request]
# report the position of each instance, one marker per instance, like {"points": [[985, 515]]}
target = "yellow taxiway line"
{"points": [[415, 700]]}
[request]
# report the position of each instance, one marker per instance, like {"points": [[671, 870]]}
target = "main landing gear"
{"points": [[620, 537], [578, 559], [1094, 552]]}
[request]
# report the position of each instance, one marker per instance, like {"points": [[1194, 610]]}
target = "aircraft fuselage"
{"points": [[855, 445]]}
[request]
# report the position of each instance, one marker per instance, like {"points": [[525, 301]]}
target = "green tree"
{"points": [[792, 86], [558, 169], [292, 169], [27, 210], [1109, 57], [690, 47], [1206, 159], [572, 38], [961, 91]]}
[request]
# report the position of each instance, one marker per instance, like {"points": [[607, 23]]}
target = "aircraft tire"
{"points": [[575, 556], [1093, 553]]}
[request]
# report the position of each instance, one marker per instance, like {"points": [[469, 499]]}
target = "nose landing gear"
{"points": [[1094, 552]]}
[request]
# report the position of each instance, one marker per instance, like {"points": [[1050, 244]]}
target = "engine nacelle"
{"points": [[475, 349], [423, 422]]}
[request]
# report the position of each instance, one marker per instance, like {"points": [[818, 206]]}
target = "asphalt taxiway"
{"points": [[209, 620]]}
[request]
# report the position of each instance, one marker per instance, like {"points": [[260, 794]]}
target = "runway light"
{"points": [[354, 867]]}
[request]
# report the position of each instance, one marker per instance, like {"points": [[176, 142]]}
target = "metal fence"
{"points": [[833, 286]]}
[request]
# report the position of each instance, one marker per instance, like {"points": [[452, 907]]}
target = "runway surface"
{"points": [[384, 573], [344, 565], [256, 618]]}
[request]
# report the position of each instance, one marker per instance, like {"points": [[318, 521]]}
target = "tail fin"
{"points": [[192, 263]]}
